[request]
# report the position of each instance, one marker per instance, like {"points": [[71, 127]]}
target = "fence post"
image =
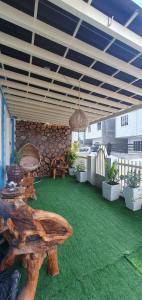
{"points": [[91, 173]]}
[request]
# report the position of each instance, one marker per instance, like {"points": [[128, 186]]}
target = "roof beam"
{"points": [[55, 87], [21, 108], [99, 20], [25, 47], [32, 94], [126, 111], [44, 119], [30, 116], [59, 77], [102, 103], [49, 100], [40, 114], [29, 110], [21, 19], [42, 106]]}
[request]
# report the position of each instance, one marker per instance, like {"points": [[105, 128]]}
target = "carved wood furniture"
{"points": [[25, 191], [7, 194], [33, 234], [58, 167], [28, 184]]}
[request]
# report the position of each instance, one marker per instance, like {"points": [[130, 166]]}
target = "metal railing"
{"points": [[126, 148]]}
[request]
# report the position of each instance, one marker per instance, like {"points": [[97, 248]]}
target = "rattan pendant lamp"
{"points": [[78, 121]]}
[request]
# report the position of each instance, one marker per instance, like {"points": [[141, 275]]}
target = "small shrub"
{"points": [[71, 157], [132, 179], [80, 167], [112, 173]]}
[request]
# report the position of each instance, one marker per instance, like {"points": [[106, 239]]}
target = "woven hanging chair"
{"points": [[78, 121], [30, 157]]}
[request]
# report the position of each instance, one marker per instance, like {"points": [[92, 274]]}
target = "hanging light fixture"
{"points": [[78, 121]]}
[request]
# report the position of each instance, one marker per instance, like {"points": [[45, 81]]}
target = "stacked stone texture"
{"points": [[51, 140]]}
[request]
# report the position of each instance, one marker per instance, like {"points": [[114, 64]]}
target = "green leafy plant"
{"points": [[132, 179], [75, 147], [72, 154], [80, 167], [112, 173], [71, 157]]}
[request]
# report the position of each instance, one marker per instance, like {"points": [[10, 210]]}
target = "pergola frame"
{"points": [[97, 101]]}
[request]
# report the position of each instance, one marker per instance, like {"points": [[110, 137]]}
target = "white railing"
{"points": [[126, 166], [100, 161], [95, 165], [82, 159]]}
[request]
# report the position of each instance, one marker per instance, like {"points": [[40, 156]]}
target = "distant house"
{"points": [[94, 133], [130, 126], [124, 132]]}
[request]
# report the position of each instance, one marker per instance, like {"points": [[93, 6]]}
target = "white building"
{"points": [[130, 126], [94, 132], [123, 132], [92, 135], [78, 136]]}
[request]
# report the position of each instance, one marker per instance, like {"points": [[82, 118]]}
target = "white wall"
{"points": [[77, 136], [0, 129], [5, 139], [8, 137], [134, 127], [95, 133]]}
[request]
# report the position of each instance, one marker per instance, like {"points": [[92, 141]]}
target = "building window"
{"points": [[89, 128], [99, 125], [137, 146], [124, 120]]}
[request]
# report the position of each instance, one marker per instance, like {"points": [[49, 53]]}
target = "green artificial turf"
{"points": [[94, 262], [135, 258]]}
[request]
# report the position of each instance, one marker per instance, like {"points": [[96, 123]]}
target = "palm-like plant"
{"points": [[71, 157], [112, 173]]}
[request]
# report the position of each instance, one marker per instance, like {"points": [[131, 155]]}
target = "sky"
{"points": [[139, 2]]}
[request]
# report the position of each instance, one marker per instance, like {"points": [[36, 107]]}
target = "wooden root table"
{"points": [[25, 191], [7, 194], [34, 234]]}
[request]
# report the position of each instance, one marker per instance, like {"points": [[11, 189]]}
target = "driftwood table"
{"points": [[33, 234], [7, 194]]}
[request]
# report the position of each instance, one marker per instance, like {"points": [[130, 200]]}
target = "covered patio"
{"points": [[59, 57]]}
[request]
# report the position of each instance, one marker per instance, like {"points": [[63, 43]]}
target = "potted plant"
{"points": [[133, 192], [71, 157], [111, 187], [81, 173], [15, 172]]}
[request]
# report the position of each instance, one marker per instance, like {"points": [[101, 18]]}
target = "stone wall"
{"points": [[51, 141]]}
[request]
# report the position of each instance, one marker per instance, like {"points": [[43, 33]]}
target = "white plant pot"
{"points": [[81, 176], [133, 198], [71, 171], [111, 192]]}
